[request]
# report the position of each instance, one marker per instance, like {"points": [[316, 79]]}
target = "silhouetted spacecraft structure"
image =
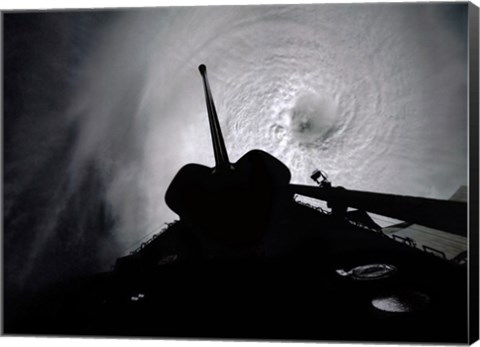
{"points": [[249, 260]]}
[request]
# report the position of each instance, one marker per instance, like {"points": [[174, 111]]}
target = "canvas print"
{"points": [[279, 172]]}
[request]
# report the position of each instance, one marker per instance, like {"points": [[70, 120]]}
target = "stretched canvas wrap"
{"points": [[279, 172]]}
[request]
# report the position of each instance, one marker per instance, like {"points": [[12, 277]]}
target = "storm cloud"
{"points": [[102, 108]]}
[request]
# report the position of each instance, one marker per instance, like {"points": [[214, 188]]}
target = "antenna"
{"points": [[219, 149]]}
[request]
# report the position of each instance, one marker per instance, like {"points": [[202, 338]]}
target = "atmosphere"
{"points": [[102, 108]]}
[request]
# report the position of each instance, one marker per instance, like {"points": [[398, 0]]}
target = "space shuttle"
{"points": [[248, 259]]}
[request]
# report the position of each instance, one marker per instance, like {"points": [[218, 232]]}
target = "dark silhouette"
{"points": [[321, 178], [233, 204], [446, 215], [247, 261]]}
